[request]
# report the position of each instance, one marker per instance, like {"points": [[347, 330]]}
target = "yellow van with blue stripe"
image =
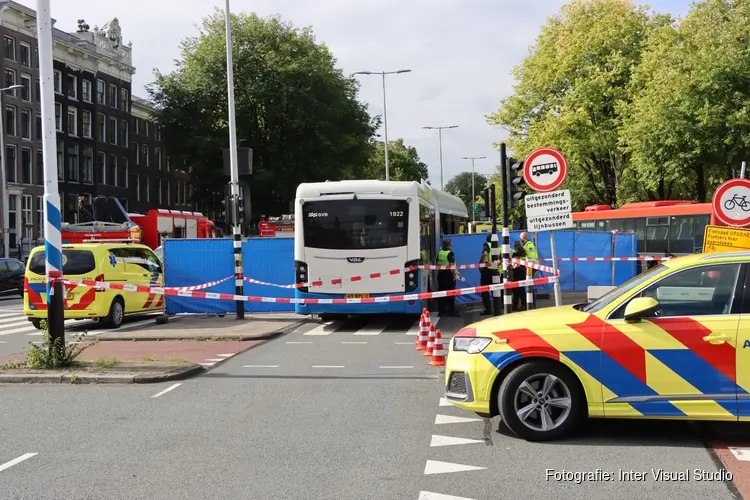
{"points": [[123, 263]]}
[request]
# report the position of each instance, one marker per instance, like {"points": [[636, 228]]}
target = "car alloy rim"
{"points": [[118, 313], [542, 402]]}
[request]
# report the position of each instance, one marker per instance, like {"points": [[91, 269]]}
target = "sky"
{"points": [[461, 53]]}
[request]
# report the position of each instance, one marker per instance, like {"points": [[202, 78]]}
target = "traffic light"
{"points": [[241, 210], [516, 184]]}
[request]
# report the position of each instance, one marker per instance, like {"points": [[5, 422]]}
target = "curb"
{"points": [[179, 373], [239, 337]]}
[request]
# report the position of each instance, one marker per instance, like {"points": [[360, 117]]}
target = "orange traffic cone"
{"points": [[419, 330], [423, 337], [427, 318], [430, 341], [438, 353]]}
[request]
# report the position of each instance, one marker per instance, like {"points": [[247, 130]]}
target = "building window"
{"points": [[26, 166], [27, 216], [39, 217], [136, 181], [122, 172], [136, 126], [38, 126], [72, 121], [25, 55], [101, 128], [169, 194], [58, 81], [112, 135], [26, 89], [101, 167], [12, 229], [158, 190], [86, 123], [124, 99], [87, 165], [100, 86], [58, 117], [112, 95], [60, 161], [169, 164], [10, 80], [26, 123], [144, 154], [112, 170], [146, 124], [10, 164], [10, 48], [72, 87], [86, 90], [137, 153], [39, 167], [157, 132], [10, 120], [157, 158], [74, 170], [147, 189], [123, 133], [38, 91]]}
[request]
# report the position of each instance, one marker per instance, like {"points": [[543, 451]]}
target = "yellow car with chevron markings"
{"points": [[671, 343]]}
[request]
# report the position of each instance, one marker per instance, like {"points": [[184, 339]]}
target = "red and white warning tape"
{"points": [[201, 287], [609, 259]]}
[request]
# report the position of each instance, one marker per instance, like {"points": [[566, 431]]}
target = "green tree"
{"points": [[294, 108], [460, 186], [569, 89], [403, 162], [689, 120]]}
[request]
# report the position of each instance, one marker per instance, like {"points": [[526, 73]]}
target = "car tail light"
{"points": [[301, 274], [411, 277], [26, 285]]}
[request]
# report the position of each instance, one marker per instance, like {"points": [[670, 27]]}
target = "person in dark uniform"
{"points": [[446, 279], [485, 275], [518, 273]]}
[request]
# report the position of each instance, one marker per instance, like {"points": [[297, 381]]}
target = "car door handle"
{"points": [[717, 339]]}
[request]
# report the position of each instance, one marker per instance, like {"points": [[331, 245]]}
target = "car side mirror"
{"points": [[641, 307]]}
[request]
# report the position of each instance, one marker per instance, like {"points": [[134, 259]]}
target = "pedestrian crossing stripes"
{"points": [[364, 326], [16, 323]]}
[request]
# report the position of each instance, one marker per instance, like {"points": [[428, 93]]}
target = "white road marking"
{"points": [[16, 461], [3, 341], [14, 320], [371, 330], [215, 360], [350, 342], [741, 454], [207, 364], [395, 367], [428, 495], [260, 366], [404, 343], [451, 441], [450, 419], [445, 402], [435, 467], [170, 388], [293, 342], [227, 355], [324, 329], [328, 366]]}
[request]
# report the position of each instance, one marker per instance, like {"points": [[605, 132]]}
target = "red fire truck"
{"points": [[160, 224], [276, 227]]}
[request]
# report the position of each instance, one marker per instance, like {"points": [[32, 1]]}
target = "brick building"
{"points": [[98, 125]]}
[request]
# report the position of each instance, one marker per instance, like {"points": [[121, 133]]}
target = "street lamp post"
{"points": [[6, 218], [440, 135], [385, 112], [473, 195]]}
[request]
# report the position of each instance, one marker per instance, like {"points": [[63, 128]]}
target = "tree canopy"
{"points": [[403, 162], [294, 108], [460, 186]]}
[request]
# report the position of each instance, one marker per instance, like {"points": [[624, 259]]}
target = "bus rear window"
{"points": [[75, 262], [355, 224]]}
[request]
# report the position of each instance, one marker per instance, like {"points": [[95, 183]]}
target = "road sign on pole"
{"points": [[545, 169], [548, 211], [731, 203]]}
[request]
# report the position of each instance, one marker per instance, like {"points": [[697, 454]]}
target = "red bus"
{"points": [[662, 227]]}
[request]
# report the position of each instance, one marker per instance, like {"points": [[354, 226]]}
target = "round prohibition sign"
{"points": [[545, 169], [731, 202]]}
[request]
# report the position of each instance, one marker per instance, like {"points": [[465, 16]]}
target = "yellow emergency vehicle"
{"points": [[123, 263]]}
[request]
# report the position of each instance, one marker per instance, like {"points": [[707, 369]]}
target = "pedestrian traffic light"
{"points": [[517, 183]]}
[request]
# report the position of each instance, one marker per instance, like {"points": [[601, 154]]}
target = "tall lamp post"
{"points": [[6, 218], [385, 112], [473, 195], [440, 135]]}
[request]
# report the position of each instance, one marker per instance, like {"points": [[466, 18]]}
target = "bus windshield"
{"points": [[355, 224]]}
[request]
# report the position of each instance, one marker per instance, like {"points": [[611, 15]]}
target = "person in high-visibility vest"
{"points": [[446, 278], [485, 275], [532, 255]]}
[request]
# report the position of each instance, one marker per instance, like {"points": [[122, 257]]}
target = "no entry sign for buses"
{"points": [[731, 203], [545, 169]]}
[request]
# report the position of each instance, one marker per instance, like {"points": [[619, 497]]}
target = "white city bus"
{"points": [[357, 228]]}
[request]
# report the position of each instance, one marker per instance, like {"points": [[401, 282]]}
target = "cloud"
{"points": [[461, 53]]}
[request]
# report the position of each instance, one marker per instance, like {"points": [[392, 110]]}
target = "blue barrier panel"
{"points": [[270, 260], [591, 244], [564, 247], [194, 262], [468, 249], [625, 246]]}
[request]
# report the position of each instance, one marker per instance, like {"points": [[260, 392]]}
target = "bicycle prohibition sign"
{"points": [[737, 201], [731, 203]]}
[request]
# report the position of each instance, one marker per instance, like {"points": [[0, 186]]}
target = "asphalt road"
{"points": [[343, 411]]}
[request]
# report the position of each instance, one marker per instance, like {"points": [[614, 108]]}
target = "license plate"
{"points": [[357, 295]]}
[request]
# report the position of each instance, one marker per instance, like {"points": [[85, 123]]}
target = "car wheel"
{"points": [[116, 313], [36, 323], [541, 401]]}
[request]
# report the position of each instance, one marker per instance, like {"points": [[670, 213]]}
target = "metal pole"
{"points": [[556, 285], [495, 255], [385, 131], [742, 170], [52, 214], [234, 169], [440, 138], [507, 294], [473, 196], [6, 216]]}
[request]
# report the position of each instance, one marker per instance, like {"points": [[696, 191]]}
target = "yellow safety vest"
{"points": [[442, 257], [531, 253], [488, 258]]}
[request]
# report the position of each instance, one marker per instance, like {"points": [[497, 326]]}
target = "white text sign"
{"points": [[552, 203]]}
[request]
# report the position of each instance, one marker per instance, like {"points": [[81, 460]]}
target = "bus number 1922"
{"points": [[397, 214]]}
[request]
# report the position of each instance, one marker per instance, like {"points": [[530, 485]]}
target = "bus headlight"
{"points": [[411, 278], [300, 274]]}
